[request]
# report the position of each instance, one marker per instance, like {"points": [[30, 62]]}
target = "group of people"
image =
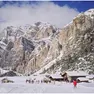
{"points": [[37, 81], [45, 81]]}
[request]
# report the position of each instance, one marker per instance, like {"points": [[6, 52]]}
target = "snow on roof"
{"points": [[82, 79], [76, 73], [56, 75], [90, 76]]}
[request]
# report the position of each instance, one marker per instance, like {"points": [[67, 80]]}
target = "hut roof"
{"points": [[76, 73], [56, 76], [82, 79]]}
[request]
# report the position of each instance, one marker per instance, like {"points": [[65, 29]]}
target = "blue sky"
{"points": [[79, 5], [58, 13]]}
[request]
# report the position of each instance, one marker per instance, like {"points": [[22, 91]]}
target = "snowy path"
{"points": [[45, 88]]}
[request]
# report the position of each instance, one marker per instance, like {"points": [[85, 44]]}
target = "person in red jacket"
{"points": [[75, 83]]}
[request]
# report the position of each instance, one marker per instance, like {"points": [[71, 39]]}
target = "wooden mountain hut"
{"points": [[73, 75]]}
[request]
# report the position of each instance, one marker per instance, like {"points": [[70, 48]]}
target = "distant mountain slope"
{"points": [[42, 48]]}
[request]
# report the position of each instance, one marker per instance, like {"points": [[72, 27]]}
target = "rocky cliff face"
{"points": [[44, 48], [77, 40], [79, 43]]}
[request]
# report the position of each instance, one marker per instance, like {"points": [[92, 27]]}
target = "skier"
{"points": [[74, 83]]}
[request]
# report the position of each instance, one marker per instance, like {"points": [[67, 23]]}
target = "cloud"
{"points": [[31, 13]]}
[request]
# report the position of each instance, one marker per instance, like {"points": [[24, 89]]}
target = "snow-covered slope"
{"points": [[49, 64], [2, 71], [2, 45]]}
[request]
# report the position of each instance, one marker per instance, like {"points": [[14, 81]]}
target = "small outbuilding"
{"points": [[73, 75], [5, 80]]}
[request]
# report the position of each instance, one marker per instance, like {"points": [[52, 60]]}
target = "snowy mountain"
{"points": [[41, 47]]}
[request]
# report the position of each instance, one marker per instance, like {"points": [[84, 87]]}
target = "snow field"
{"points": [[20, 86]]}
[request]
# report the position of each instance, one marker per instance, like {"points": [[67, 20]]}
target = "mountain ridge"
{"points": [[42, 48]]}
